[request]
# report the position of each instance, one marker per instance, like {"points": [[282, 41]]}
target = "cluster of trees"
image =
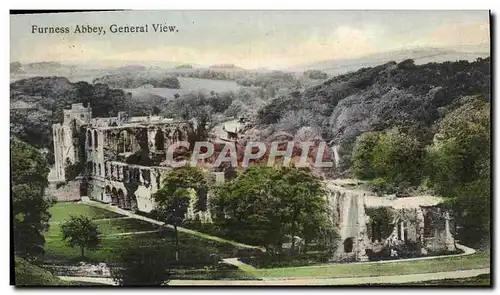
{"points": [[381, 97], [264, 206], [136, 80], [30, 214], [456, 164], [261, 206]]}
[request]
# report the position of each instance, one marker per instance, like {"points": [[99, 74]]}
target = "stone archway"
{"points": [[121, 199], [114, 197], [348, 245], [107, 194], [133, 201]]}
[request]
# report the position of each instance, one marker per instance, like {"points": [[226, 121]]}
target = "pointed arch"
{"points": [[96, 139]]}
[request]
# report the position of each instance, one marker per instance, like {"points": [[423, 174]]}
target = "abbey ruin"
{"points": [[123, 155], [120, 161]]}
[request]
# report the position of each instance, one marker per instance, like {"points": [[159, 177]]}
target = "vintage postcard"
{"points": [[251, 148]]}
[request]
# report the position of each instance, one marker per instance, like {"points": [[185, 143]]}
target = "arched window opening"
{"points": [[348, 245], [89, 139], [96, 139]]}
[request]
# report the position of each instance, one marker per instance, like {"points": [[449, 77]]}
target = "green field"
{"points": [[63, 210], [196, 251], [474, 261]]}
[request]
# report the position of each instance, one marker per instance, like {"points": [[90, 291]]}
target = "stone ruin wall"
{"points": [[427, 230]]}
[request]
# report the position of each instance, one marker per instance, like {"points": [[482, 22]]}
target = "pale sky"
{"points": [[250, 39]]}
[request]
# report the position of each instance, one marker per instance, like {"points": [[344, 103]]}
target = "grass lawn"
{"points": [[194, 248], [478, 260], [108, 227], [63, 210]]}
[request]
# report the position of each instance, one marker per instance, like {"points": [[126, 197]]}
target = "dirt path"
{"points": [[400, 279]]}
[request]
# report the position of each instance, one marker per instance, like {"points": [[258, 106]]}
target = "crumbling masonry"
{"points": [[123, 155]]}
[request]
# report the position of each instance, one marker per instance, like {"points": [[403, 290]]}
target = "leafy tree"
{"points": [[458, 167], [173, 211], [264, 204], [29, 208], [141, 265], [82, 232], [179, 186], [461, 149], [362, 155], [398, 158]]}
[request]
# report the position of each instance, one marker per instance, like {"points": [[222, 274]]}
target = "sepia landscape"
{"points": [[252, 148]]}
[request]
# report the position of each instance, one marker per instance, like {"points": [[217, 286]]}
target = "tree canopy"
{"points": [[263, 205], [82, 232], [30, 210]]}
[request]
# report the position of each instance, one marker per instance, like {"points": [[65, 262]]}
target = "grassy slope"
{"points": [[63, 210], [478, 260], [27, 274]]}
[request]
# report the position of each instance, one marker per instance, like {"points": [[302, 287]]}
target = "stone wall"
{"points": [[382, 227], [69, 191]]}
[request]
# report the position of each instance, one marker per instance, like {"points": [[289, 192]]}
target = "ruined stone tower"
{"points": [[64, 149]]}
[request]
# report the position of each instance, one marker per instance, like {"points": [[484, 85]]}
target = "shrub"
{"points": [[380, 186]]}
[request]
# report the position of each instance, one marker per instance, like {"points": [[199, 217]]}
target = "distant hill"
{"points": [[226, 66], [420, 56]]}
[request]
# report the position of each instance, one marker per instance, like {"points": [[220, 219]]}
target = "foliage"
{"points": [[49, 96], [174, 197], [184, 177], [141, 264], [404, 95], [286, 260], [316, 74], [82, 232], [393, 158], [458, 167], [382, 220], [71, 171], [263, 205], [398, 158], [380, 186], [29, 208], [136, 80], [362, 155]]}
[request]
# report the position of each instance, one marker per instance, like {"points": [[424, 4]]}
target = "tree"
{"points": [[82, 232], [362, 155], [29, 208], [263, 205], [173, 211], [141, 265], [458, 167], [180, 186], [398, 158], [461, 149]]}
